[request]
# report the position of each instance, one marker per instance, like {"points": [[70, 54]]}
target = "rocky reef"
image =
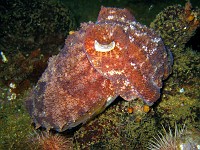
{"points": [[29, 25], [117, 128], [30, 33], [176, 25], [123, 124]]}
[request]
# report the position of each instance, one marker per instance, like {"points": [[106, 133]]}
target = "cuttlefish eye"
{"points": [[104, 47]]}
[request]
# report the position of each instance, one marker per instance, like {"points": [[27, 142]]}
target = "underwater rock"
{"points": [[176, 25], [26, 26], [116, 56]]}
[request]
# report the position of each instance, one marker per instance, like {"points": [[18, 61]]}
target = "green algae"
{"points": [[15, 125], [116, 128], [180, 100], [28, 25], [179, 104]]}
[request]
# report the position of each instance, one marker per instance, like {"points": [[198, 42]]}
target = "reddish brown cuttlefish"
{"points": [[116, 56]]}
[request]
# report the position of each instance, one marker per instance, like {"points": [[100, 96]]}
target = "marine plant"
{"points": [[14, 122], [179, 101], [27, 25], [117, 128]]}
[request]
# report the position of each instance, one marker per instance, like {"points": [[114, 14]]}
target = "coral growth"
{"points": [[14, 121], [179, 102], [30, 33], [180, 99], [116, 128], [176, 25], [20, 71], [27, 25], [123, 125]]}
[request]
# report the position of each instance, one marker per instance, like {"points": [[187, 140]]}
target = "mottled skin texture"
{"points": [[67, 89], [80, 82], [137, 64]]}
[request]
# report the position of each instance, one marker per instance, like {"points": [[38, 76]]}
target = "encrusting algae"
{"points": [[123, 125], [176, 25], [117, 129]]}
